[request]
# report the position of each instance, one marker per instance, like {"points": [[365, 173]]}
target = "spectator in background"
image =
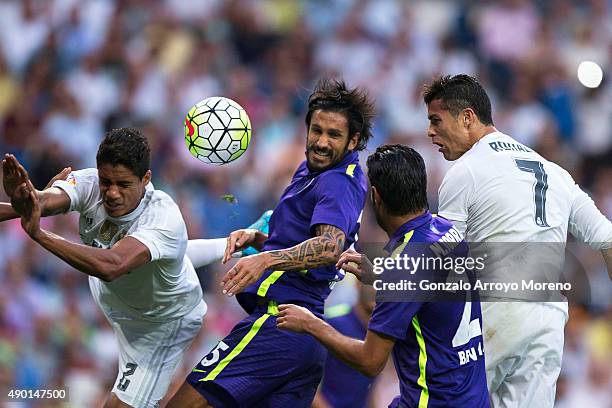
{"points": [[205, 50]]}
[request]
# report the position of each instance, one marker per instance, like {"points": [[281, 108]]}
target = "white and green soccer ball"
{"points": [[217, 130]]}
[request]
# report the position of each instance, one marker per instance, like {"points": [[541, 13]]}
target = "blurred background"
{"points": [[71, 70]]}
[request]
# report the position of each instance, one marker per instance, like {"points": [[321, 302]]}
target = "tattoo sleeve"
{"points": [[324, 249]]}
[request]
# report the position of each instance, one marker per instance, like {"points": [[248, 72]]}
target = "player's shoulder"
{"points": [[161, 209], [440, 225], [160, 200], [81, 181], [350, 174], [459, 174], [85, 175], [436, 229]]}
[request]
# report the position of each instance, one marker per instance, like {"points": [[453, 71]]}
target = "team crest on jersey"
{"points": [[71, 180], [107, 231]]}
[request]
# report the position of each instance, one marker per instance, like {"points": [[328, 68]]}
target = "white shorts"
{"points": [[523, 349], [149, 353]]}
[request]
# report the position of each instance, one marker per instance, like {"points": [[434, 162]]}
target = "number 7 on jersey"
{"points": [[539, 190]]}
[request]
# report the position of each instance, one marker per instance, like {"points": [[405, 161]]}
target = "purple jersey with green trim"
{"points": [[335, 197], [343, 386], [438, 351]]}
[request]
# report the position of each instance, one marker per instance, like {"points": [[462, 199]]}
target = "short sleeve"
{"points": [[456, 193], [393, 318], [82, 188], [162, 230], [340, 200]]}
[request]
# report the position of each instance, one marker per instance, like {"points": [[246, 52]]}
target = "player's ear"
{"points": [[468, 117], [147, 177], [375, 195], [354, 141]]}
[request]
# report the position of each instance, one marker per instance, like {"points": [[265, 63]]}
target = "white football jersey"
{"points": [[165, 288], [503, 191]]}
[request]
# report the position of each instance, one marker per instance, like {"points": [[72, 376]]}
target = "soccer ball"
{"points": [[217, 130]]}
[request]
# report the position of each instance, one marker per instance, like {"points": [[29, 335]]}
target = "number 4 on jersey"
{"points": [[539, 190]]}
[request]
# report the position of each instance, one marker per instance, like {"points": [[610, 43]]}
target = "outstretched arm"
{"points": [[202, 252], [590, 226], [368, 356], [323, 249], [106, 264], [7, 212]]}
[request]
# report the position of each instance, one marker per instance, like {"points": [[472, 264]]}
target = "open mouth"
{"points": [[440, 145], [321, 155], [112, 206]]}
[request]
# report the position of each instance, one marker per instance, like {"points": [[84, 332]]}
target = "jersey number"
{"points": [[124, 382], [539, 191], [468, 329], [213, 357]]}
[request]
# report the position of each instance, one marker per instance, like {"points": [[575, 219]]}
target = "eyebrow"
{"points": [[119, 181], [330, 130]]}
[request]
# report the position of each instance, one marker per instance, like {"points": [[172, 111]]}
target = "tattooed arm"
{"points": [[324, 249]]}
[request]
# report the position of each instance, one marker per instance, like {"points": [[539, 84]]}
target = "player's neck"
{"points": [[481, 132], [394, 222]]}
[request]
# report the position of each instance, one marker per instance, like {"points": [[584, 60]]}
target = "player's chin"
{"points": [[448, 155], [318, 163], [117, 211]]}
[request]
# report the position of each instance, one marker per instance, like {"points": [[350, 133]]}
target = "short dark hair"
{"points": [[128, 147], [460, 92], [399, 175], [334, 96]]}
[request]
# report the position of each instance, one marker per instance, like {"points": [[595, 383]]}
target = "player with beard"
{"points": [[316, 219]]}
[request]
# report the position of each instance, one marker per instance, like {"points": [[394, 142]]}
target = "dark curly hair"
{"points": [[334, 96], [459, 92], [128, 147]]}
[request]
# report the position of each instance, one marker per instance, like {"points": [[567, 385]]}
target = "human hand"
{"points": [[295, 318], [237, 241], [30, 217], [246, 271], [358, 264], [13, 174]]}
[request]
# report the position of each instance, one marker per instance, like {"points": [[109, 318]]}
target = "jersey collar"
{"points": [[486, 138], [398, 235]]}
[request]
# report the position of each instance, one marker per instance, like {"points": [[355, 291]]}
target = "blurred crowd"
{"points": [[71, 70]]}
